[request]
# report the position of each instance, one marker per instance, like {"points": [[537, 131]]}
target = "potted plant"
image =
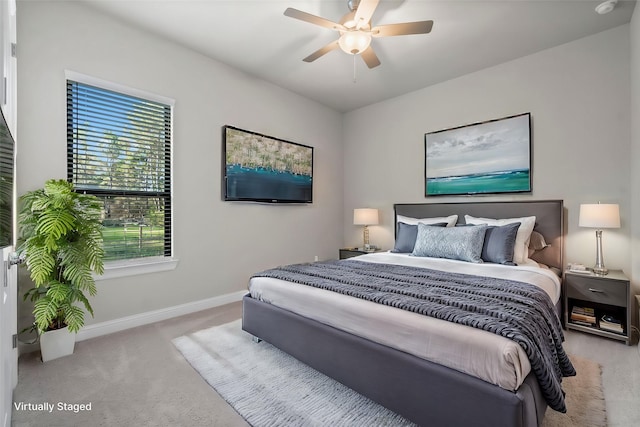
{"points": [[61, 240]]}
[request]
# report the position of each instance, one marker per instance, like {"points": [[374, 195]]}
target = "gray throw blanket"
{"points": [[515, 310]]}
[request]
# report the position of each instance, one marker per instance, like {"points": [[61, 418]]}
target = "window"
{"points": [[119, 149], [6, 184]]}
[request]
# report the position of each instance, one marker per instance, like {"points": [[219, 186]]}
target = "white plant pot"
{"points": [[57, 343]]}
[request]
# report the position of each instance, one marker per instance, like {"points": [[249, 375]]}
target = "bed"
{"points": [[425, 391]]}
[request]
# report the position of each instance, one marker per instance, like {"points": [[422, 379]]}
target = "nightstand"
{"points": [[590, 297], [351, 252]]}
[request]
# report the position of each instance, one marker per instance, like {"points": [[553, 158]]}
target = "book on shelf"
{"points": [[582, 323], [583, 310], [583, 314], [610, 323], [612, 328]]}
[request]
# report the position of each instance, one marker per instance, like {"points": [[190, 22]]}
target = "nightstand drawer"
{"points": [[597, 290], [344, 254], [351, 252]]}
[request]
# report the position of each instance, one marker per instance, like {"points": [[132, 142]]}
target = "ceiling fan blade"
{"points": [[420, 27], [364, 12], [313, 19], [370, 58], [322, 51]]}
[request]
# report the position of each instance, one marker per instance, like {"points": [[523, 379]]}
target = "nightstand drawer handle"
{"points": [[596, 290]]}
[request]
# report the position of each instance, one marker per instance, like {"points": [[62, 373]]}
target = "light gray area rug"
{"points": [[270, 388]]}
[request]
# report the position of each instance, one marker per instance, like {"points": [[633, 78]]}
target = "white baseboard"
{"points": [[116, 325]]}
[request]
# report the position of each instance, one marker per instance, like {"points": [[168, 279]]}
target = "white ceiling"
{"points": [[255, 36]]}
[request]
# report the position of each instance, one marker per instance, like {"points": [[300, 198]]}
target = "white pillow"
{"points": [[450, 220], [521, 248]]}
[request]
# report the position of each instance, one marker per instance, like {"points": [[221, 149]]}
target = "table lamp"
{"points": [[365, 217], [599, 216]]}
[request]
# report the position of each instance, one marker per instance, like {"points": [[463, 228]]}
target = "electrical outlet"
{"points": [[315, 258]]}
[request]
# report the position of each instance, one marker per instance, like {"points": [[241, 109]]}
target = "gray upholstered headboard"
{"points": [[549, 219]]}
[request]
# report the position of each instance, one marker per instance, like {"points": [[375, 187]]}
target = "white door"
{"points": [[8, 277], [8, 350], [8, 285], [8, 281]]}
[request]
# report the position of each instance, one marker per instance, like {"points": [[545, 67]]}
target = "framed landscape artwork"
{"points": [[261, 168], [481, 158]]}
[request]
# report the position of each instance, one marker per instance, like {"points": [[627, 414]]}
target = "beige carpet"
{"points": [[292, 392], [584, 398]]}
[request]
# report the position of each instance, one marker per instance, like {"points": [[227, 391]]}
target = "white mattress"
{"points": [[482, 354]]}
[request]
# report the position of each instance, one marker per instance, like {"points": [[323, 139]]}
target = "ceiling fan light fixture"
{"points": [[354, 42]]}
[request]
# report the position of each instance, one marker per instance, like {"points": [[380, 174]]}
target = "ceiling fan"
{"points": [[356, 31]]}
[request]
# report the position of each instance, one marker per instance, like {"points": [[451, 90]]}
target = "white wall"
{"points": [[635, 149], [578, 96], [219, 244]]}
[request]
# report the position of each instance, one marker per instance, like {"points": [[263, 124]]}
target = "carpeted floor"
{"points": [[138, 378], [284, 391], [585, 398], [131, 378]]}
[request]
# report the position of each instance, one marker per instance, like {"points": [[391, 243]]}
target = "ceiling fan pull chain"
{"points": [[354, 68]]}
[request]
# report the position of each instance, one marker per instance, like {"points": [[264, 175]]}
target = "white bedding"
{"points": [[482, 354]]}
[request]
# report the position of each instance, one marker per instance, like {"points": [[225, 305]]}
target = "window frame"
{"points": [[142, 265]]}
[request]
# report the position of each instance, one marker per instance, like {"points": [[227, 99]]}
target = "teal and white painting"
{"points": [[482, 158]]}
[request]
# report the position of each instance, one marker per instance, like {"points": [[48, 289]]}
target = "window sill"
{"points": [[133, 267]]}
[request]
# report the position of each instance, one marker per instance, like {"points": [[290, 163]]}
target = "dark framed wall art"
{"points": [[481, 158], [261, 168]]}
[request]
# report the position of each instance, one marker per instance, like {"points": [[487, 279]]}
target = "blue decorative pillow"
{"points": [[499, 242], [462, 243], [406, 238]]}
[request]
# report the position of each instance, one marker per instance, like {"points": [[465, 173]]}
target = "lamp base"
{"points": [[600, 271], [365, 236], [599, 268]]}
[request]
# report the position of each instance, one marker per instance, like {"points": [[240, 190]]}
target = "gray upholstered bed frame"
{"points": [[422, 391]]}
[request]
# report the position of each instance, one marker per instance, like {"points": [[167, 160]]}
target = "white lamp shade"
{"points": [[365, 216], [599, 216]]}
